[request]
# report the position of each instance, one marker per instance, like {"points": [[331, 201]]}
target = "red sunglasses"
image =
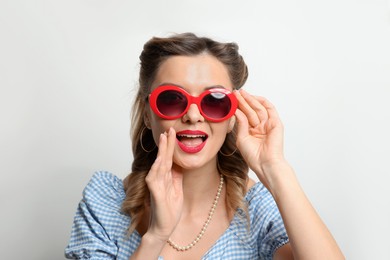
{"points": [[171, 102]]}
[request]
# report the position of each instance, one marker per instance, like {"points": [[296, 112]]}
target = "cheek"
{"points": [[156, 130], [159, 126], [222, 127], [232, 122], [156, 137], [220, 130]]}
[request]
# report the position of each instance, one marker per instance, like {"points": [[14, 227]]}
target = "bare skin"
{"points": [[181, 192]]}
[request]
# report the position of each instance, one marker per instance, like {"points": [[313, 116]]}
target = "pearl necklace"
{"points": [[205, 225]]}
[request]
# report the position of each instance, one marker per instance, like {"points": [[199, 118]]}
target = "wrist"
{"points": [[278, 175], [274, 167], [149, 248], [153, 240]]}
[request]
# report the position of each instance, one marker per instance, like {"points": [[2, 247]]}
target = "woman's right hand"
{"points": [[166, 190]]}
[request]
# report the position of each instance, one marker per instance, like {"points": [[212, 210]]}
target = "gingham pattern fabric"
{"points": [[99, 227]]}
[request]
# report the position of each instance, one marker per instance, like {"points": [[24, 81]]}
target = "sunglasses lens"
{"points": [[216, 105], [171, 103]]}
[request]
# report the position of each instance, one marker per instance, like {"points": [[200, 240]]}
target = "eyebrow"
{"points": [[206, 88]]}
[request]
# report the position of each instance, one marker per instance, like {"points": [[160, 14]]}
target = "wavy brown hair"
{"points": [[232, 167]]}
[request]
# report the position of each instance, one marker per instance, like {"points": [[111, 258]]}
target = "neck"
{"points": [[199, 187]]}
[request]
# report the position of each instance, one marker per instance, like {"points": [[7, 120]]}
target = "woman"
{"points": [[195, 133]]}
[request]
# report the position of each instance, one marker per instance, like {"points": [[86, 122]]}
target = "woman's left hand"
{"points": [[260, 141], [260, 133]]}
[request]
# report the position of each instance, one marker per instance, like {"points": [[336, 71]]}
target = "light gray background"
{"points": [[67, 76]]}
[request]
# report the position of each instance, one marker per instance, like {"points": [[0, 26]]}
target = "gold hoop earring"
{"points": [[227, 155], [140, 141]]}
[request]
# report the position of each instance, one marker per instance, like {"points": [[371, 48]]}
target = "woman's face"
{"points": [[194, 74]]}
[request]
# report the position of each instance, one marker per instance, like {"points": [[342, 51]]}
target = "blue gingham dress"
{"points": [[99, 227]]}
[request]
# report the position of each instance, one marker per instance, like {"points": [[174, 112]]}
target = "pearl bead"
{"points": [[205, 225]]}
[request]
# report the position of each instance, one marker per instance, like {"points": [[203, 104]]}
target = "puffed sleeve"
{"points": [[98, 219], [267, 221]]}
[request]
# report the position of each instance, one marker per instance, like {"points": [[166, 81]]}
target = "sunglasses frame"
{"points": [[153, 96]]}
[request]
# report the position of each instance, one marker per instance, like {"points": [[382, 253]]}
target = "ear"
{"points": [[232, 122]]}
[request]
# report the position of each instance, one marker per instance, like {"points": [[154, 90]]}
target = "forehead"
{"points": [[193, 72]]}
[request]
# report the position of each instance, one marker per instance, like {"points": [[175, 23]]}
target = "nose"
{"points": [[193, 115]]}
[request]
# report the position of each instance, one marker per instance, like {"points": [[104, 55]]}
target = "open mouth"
{"points": [[191, 140]]}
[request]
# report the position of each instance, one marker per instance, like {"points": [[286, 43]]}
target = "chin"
{"points": [[193, 162]]}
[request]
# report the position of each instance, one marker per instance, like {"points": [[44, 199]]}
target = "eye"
{"points": [[171, 103], [216, 105], [171, 97]]}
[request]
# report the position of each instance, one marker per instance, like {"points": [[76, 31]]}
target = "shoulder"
{"points": [[265, 232], [258, 194], [250, 184], [104, 194], [102, 199], [265, 220], [99, 221], [105, 185], [262, 208]]}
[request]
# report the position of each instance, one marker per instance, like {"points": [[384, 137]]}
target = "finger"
{"points": [[165, 155], [162, 146], [170, 145], [251, 113], [256, 105], [247, 110], [271, 110], [157, 164]]}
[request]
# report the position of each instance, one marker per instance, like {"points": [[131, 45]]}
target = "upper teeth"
{"points": [[192, 136]]}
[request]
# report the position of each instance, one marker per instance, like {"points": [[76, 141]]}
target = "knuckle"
{"points": [[252, 117]]}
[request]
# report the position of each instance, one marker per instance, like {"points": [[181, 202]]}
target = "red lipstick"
{"points": [[191, 141]]}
